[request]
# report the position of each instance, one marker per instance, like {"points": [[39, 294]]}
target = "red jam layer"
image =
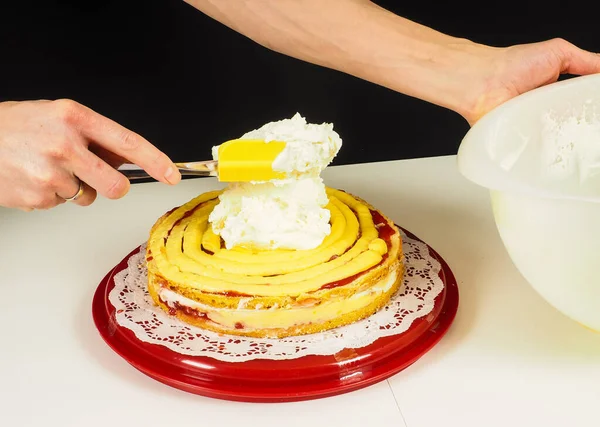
{"points": [[192, 312], [186, 310]]}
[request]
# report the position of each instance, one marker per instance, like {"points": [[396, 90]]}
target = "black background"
{"points": [[186, 82]]}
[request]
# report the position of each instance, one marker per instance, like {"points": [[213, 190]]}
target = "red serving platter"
{"points": [[265, 380]]}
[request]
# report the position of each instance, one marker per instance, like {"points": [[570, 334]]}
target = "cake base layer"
{"points": [[294, 321], [212, 293]]}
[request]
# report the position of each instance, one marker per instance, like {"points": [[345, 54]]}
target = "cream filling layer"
{"points": [[282, 317]]}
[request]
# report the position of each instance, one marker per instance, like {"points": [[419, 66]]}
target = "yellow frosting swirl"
{"points": [[185, 250]]}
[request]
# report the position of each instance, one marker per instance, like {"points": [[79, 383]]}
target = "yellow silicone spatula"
{"points": [[239, 160]]}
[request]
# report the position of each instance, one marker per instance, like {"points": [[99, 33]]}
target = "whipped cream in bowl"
{"points": [[288, 213]]}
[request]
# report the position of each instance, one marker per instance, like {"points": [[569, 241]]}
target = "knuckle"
{"points": [[68, 111], [118, 188], [46, 180], [129, 141], [61, 150], [560, 43], [161, 158]]}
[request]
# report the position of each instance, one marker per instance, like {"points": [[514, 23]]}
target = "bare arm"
{"points": [[362, 39]]}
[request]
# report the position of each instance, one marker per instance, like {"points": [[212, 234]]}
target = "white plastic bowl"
{"points": [[544, 183]]}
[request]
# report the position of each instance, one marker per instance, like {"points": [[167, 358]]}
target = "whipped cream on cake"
{"points": [[274, 215], [287, 213], [309, 149]]}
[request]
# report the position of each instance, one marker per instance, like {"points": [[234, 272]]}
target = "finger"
{"points": [[577, 61], [69, 187], [111, 158], [121, 141], [87, 197], [99, 175]]}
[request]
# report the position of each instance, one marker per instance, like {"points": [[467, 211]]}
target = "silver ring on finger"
{"points": [[78, 194]]}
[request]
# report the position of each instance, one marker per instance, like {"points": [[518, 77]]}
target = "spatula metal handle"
{"points": [[204, 168]]}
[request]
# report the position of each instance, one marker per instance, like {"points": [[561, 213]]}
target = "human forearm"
{"points": [[359, 38]]}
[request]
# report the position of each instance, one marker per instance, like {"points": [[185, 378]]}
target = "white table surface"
{"points": [[509, 358]]}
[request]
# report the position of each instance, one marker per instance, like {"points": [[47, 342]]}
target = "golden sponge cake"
{"points": [[274, 293]]}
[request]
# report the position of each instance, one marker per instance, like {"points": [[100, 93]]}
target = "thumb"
{"points": [[578, 61]]}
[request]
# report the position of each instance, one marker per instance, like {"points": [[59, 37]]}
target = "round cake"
{"points": [[278, 292]]}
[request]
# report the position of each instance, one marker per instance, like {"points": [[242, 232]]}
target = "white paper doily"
{"points": [[136, 311]]}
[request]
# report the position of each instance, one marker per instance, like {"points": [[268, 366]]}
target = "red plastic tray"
{"points": [[264, 380]]}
